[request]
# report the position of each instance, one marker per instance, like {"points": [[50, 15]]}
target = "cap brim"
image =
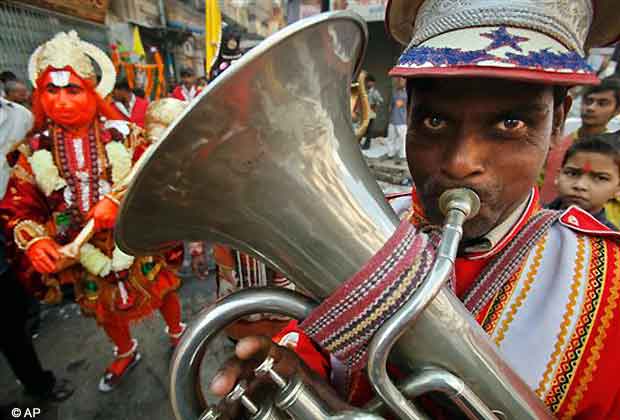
{"points": [[518, 75], [496, 52]]}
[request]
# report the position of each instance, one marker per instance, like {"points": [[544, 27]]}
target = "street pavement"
{"points": [[75, 348]]}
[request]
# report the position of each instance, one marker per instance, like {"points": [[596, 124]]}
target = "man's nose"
{"points": [[581, 184], [63, 97], [463, 158]]}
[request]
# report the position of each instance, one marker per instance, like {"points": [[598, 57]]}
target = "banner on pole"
{"points": [[370, 10]]}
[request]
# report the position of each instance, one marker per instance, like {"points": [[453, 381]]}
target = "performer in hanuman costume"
{"points": [[488, 83], [66, 173]]}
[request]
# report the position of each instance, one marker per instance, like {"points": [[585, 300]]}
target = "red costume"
{"points": [[136, 111], [182, 93], [68, 171]]}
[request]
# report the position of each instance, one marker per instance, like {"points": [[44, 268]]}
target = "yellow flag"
{"points": [[213, 32], [138, 48]]}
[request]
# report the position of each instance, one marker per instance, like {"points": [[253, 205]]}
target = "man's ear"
{"points": [[559, 118]]}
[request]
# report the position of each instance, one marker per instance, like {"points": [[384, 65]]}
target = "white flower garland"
{"points": [[99, 264], [120, 160], [95, 261], [45, 172], [120, 260], [47, 177]]}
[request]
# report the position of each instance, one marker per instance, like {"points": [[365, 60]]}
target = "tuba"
{"points": [[359, 103], [265, 161]]}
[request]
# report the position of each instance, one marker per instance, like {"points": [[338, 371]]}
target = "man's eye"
{"points": [[435, 123], [52, 89], [74, 90], [511, 124]]}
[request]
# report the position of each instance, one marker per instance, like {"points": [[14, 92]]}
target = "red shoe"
{"points": [[176, 337], [119, 368]]}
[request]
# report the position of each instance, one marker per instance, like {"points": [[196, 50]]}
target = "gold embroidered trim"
{"points": [[568, 315], [26, 231], [22, 174], [599, 341], [498, 306], [527, 285]]}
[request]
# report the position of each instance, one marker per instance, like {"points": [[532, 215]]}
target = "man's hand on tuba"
{"points": [[249, 353]]}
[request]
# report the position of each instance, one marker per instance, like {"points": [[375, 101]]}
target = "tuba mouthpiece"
{"points": [[462, 199]]}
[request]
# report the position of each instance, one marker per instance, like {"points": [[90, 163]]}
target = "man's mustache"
{"points": [[433, 187]]}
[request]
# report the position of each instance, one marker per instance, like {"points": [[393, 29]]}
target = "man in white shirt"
{"points": [[15, 122]]}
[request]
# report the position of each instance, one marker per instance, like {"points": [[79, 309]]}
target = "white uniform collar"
{"points": [[188, 93], [503, 231], [121, 106]]}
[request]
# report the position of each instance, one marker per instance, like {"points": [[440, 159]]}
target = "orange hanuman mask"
{"points": [[72, 104]]}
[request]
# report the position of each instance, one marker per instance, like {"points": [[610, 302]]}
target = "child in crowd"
{"points": [[590, 176]]}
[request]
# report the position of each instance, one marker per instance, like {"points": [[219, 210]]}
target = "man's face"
{"points": [[188, 81], [488, 135], [121, 95], [598, 108], [73, 105], [18, 94], [589, 180]]}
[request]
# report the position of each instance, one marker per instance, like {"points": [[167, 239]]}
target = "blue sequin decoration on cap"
{"points": [[543, 59]]}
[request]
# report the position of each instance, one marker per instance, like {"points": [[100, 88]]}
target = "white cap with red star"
{"points": [[527, 40]]}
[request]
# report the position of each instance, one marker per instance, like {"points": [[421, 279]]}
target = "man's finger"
{"points": [[225, 380], [255, 347], [44, 264], [52, 252], [259, 348]]}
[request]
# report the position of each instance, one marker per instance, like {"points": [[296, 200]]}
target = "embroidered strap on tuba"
{"points": [[346, 321]]}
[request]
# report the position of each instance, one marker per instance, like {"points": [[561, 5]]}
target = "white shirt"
{"points": [[189, 93], [126, 110], [15, 122]]}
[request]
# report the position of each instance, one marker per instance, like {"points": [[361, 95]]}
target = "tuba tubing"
{"points": [[460, 204], [265, 160], [186, 394]]}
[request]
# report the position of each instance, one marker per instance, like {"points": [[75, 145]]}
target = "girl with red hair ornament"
{"points": [[67, 174]]}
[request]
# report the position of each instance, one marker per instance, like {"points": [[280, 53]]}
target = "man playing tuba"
{"points": [[67, 173], [487, 83]]}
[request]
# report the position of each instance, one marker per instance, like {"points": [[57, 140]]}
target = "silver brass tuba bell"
{"points": [[265, 161]]}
